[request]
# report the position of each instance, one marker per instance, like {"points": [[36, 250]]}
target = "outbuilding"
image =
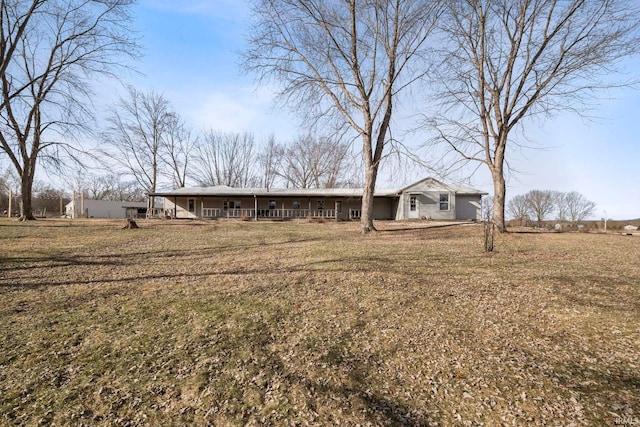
{"points": [[88, 208]]}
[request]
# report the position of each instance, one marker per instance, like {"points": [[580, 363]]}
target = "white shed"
{"points": [[87, 208]]}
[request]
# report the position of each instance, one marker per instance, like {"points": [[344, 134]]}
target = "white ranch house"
{"points": [[427, 199]]}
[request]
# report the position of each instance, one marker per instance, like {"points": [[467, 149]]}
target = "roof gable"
{"points": [[432, 184]]}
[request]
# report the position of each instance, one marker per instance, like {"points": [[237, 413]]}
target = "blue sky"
{"points": [[191, 56]]}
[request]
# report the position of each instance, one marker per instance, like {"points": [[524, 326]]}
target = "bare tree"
{"points": [[541, 204], [314, 163], [343, 60], [109, 187], [9, 184], [518, 209], [488, 223], [578, 207], [225, 159], [296, 163], [507, 60], [178, 146], [138, 127], [269, 162], [47, 200], [560, 200], [50, 53]]}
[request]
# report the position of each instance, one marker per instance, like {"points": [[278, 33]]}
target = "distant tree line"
{"points": [[540, 205]]}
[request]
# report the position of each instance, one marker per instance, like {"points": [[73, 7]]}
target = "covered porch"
{"points": [[212, 213], [260, 208]]}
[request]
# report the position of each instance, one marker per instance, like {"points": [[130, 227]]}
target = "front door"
{"points": [[192, 207], [414, 211]]}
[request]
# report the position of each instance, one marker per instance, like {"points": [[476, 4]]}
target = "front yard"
{"points": [[300, 323]]}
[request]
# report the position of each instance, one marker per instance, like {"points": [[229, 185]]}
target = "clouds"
{"points": [[233, 109]]}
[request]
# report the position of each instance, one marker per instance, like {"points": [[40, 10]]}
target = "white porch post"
{"points": [[255, 206]]}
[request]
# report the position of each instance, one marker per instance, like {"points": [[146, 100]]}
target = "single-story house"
{"points": [[427, 198], [88, 208]]}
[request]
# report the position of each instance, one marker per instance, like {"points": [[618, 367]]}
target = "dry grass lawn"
{"points": [[294, 323]]}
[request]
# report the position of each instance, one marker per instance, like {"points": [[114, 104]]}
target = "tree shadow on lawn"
{"points": [[348, 264], [611, 295], [128, 258], [423, 228], [37, 281], [620, 387], [336, 382]]}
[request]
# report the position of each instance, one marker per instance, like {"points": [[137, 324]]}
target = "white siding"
{"points": [[468, 207]]}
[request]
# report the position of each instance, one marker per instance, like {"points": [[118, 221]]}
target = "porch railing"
{"points": [[268, 213]]}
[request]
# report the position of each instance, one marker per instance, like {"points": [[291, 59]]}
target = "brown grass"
{"points": [[304, 323]]}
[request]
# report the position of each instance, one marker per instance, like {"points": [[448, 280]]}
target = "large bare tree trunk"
{"points": [[366, 218], [26, 187], [499, 192]]}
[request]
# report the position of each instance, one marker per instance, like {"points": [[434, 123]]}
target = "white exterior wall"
{"points": [[100, 208], [427, 193], [469, 207], [427, 205]]}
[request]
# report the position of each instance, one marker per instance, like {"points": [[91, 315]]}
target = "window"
{"points": [[413, 203], [231, 205], [444, 202], [320, 205], [272, 204], [192, 205], [296, 204]]}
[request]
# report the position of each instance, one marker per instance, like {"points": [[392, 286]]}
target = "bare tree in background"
{"points": [[47, 200], [507, 60], [560, 200], [578, 208], [138, 127], [269, 162], [50, 53], [178, 146], [9, 184], [110, 187], [541, 204], [518, 209], [225, 159], [345, 61], [314, 163]]}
